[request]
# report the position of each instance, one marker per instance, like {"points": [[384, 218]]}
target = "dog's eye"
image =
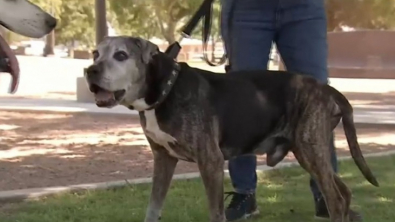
{"points": [[120, 56], [95, 55]]}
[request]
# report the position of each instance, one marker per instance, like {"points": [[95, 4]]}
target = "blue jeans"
{"points": [[299, 30]]}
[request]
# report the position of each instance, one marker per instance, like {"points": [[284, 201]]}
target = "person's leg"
{"points": [[247, 31], [247, 28], [302, 42], [301, 37]]}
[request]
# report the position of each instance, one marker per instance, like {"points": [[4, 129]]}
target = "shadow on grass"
{"points": [[283, 195]]}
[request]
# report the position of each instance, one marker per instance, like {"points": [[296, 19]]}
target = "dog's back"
{"points": [[284, 99], [311, 94], [248, 104]]}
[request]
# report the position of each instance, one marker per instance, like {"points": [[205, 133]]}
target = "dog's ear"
{"points": [[148, 49]]}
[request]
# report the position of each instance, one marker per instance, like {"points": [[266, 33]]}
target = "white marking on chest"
{"points": [[160, 137], [140, 105]]}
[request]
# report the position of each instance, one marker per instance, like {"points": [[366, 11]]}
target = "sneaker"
{"points": [[241, 206], [321, 212]]}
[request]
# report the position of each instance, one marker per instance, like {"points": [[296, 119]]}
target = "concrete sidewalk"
{"points": [[362, 114], [53, 105]]}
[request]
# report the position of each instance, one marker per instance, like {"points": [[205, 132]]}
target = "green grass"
{"points": [[283, 196]]}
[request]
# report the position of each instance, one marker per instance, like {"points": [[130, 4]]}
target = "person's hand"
{"points": [[9, 64]]}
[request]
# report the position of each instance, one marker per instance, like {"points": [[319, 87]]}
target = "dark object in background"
{"points": [[4, 65], [203, 13], [9, 64]]}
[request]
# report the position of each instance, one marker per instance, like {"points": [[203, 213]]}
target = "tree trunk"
{"points": [[213, 49], [101, 20], [49, 48], [170, 32], [50, 44]]}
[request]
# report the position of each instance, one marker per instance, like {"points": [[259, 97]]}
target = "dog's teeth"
{"points": [[104, 96]]}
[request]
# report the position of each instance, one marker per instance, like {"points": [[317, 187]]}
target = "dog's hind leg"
{"points": [[164, 166], [335, 202], [312, 137], [211, 167], [318, 166], [346, 193]]}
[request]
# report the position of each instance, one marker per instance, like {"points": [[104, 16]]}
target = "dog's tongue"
{"points": [[103, 96], [13, 65]]}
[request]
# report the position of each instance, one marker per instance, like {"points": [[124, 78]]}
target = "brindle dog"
{"points": [[199, 116]]}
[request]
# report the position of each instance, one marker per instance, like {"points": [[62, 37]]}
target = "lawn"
{"points": [[283, 195]]}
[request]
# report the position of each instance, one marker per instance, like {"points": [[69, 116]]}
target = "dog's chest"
{"points": [[160, 137]]}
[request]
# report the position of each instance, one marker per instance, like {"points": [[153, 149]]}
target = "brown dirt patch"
{"points": [[53, 149]]}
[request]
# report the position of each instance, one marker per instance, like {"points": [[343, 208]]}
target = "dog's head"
{"points": [[25, 18], [126, 71]]}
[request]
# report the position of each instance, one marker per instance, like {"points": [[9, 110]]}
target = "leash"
{"points": [[205, 12]]}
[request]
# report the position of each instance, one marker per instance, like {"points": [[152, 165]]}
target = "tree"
{"points": [[51, 6], [76, 23], [134, 18], [363, 14], [171, 15], [153, 17]]}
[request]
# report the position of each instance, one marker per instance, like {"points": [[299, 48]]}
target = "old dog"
{"points": [[24, 18], [203, 117]]}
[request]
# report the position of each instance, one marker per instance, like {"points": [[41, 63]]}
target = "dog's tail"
{"points": [[351, 134]]}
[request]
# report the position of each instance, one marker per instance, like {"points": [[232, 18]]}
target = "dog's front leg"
{"points": [[211, 163], [164, 166]]}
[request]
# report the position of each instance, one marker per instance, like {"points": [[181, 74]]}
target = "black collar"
{"points": [[166, 87]]}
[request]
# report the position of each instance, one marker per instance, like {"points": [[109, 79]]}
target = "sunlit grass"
{"points": [[283, 195]]}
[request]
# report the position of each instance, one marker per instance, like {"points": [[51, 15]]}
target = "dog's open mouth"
{"points": [[9, 63], [105, 98]]}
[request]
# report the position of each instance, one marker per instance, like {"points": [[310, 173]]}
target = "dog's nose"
{"points": [[93, 70], [51, 22]]}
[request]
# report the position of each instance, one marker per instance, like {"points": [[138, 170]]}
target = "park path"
{"points": [[57, 149]]}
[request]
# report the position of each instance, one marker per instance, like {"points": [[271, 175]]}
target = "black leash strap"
{"points": [[204, 11], [173, 50], [205, 37]]}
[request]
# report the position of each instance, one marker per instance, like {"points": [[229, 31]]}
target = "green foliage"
{"points": [[134, 18], [165, 18], [361, 14], [171, 15], [160, 18], [51, 6], [76, 22], [284, 195]]}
